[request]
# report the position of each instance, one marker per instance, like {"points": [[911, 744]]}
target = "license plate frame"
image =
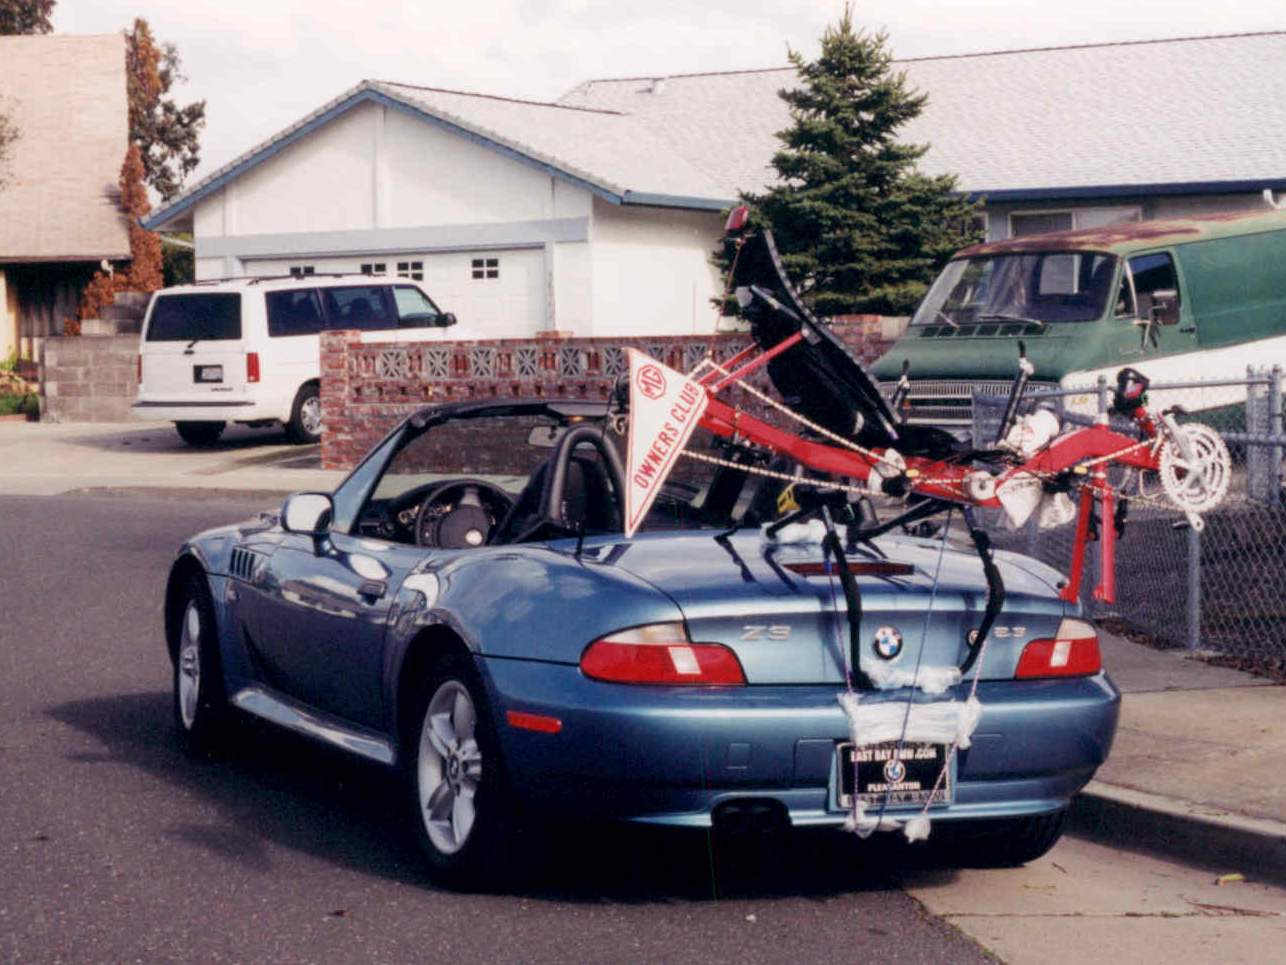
{"points": [[863, 768], [207, 374]]}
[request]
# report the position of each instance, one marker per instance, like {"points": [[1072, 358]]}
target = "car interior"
{"points": [[541, 476]]}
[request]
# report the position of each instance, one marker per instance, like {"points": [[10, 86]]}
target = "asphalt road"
{"points": [[117, 847]]}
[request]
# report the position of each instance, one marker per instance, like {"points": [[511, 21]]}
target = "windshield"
{"points": [[1062, 286]]}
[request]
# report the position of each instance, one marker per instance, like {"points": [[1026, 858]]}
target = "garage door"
{"points": [[498, 293]]}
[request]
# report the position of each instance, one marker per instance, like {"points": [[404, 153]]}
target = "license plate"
{"points": [[887, 774], [207, 373]]}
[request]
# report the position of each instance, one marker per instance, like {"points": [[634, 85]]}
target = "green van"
{"points": [[1198, 298]]}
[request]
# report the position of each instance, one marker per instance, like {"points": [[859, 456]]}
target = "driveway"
{"points": [[41, 458]]}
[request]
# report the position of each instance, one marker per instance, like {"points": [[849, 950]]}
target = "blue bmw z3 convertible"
{"points": [[463, 608]]}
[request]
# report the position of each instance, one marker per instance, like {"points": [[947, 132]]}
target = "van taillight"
{"points": [[139, 368], [252, 366], [1073, 652]]}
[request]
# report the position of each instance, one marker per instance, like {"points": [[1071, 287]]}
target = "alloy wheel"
{"points": [[449, 767], [189, 669]]}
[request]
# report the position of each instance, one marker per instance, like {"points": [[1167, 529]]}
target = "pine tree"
{"points": [[860, 229]]}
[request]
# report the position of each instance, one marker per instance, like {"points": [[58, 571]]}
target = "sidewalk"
{"points": [[1196, 770], [41, 458]]}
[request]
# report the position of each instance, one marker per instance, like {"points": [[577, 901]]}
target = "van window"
{"points": [[413, 308], [189, 318], [363, 307], [1053, 286], [1151, 273], [296, 312]]}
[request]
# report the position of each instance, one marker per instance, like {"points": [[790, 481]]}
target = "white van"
{"points": [[246, 350]]}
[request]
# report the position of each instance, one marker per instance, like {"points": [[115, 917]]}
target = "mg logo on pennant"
{"points": [[665, 406], [651, 381]]}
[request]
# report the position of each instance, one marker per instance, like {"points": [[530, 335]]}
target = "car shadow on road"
{"points": [[273, 789]]}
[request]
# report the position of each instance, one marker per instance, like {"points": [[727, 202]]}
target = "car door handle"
{"points": [[372, 590], [1189, 329]]}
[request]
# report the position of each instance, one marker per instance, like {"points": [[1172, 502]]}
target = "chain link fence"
{"points": [[1221, 589]]}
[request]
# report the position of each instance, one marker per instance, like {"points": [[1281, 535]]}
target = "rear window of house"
{"points": [[187, 318]]}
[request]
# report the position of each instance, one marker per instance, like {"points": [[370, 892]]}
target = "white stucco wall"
{"points": [[651, 270], [573, 288], [378, 168], [322, 182], [375, 170], [437, 177]]}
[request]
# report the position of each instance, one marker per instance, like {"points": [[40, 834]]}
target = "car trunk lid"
{"points": [[785, 618]]}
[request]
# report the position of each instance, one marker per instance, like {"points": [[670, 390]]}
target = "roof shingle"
{"points": [[66, 97], [1208, 109], [1201, 111]]}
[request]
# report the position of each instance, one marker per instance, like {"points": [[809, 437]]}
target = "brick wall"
{"points": [[88, 378], [366, 388]]}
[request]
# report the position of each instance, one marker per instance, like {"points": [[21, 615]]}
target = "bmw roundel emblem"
{"points": [[888, 642], [894, 771]]}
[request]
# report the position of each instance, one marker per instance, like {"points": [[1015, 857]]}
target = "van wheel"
{"points": [[200, 433], [305, 425]]}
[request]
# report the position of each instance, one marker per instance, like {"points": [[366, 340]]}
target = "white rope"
{"points": [[774, 474]]}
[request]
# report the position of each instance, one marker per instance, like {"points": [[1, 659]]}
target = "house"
{"points": [[596, 214], [59, 218]]}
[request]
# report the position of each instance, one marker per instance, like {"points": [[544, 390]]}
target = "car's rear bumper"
{"points": [[673, 755]]}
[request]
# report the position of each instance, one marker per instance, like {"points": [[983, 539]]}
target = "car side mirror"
{"points": [[445, 320], [307, 513], [1165, 306]]}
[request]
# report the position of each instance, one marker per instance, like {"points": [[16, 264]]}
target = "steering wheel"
{"points": [[460, 514]]}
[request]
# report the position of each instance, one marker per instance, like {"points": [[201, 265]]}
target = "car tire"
{"points": [[1008, 843], [305, 425], [200, 703], [200, 433], [457, 792]]}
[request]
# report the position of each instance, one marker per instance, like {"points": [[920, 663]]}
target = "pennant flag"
{"points": [[665, 406]]}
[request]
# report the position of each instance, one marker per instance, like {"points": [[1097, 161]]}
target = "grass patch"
{"points": [[17, 404]]}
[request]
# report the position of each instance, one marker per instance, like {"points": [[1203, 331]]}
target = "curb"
{"points": [[1199, 834], [275, 496]]}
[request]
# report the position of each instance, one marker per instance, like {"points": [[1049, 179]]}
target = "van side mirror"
{"points": [[445, 320], [307, 513], [1165, 306]]}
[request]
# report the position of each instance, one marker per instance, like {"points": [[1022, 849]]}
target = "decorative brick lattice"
{"points": [[694, 354], [368, 387], [482, 361], [527, 362], [613, 361], [437, 363], [571, 361], [393, 364]]}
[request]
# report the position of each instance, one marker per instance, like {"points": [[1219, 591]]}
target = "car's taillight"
{"points": [[138, 366], [1072, 653], [252, 366], [660, 653]]}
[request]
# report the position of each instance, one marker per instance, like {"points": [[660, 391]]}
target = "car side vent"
{"points": [[243, 563]]}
